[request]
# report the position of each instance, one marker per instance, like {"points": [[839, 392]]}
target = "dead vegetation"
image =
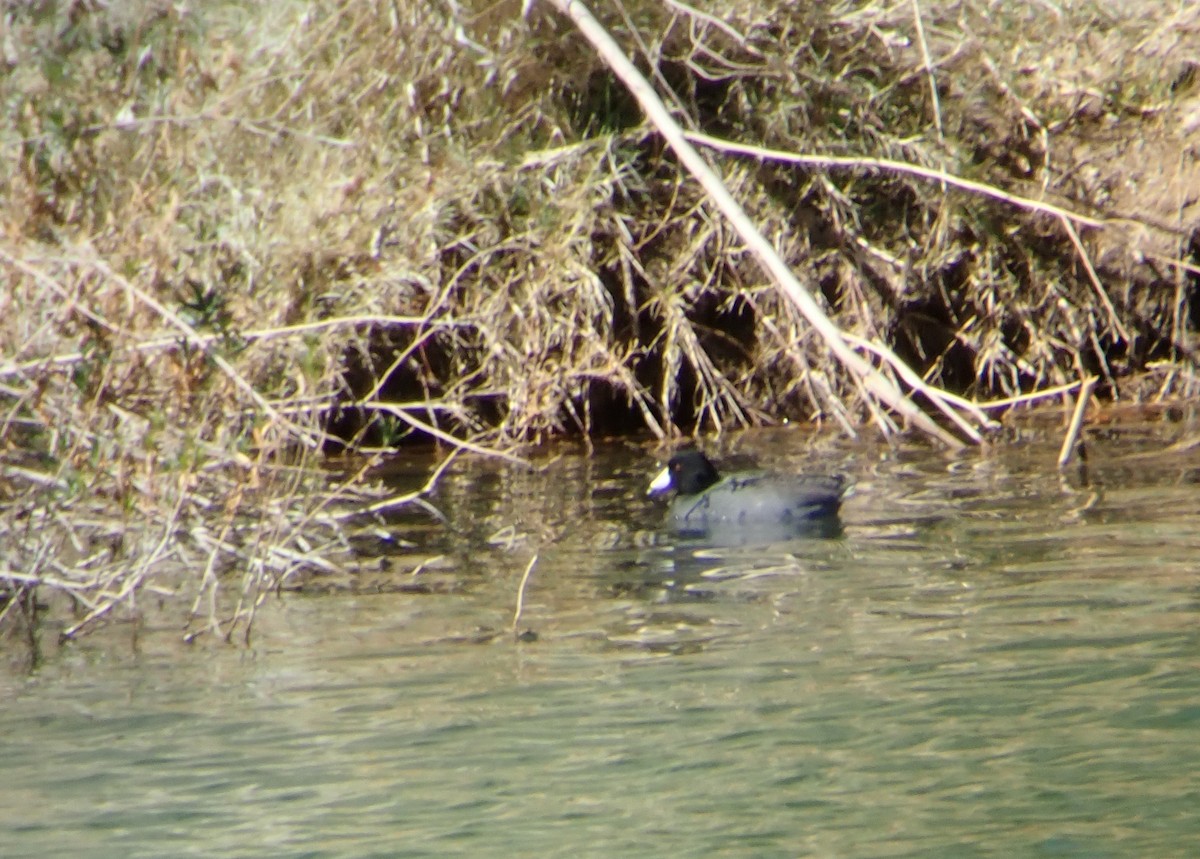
{"points": [[230, 245]]}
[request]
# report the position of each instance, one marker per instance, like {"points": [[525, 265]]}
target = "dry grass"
{"points": [[235, 237]]}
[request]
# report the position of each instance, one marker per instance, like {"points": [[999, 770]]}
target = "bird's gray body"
{"points": [[760, 498]]}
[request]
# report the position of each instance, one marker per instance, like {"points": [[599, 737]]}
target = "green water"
{"points": [[994, 660]]}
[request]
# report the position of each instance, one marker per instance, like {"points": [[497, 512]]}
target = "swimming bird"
{"points": [[704, 501]]}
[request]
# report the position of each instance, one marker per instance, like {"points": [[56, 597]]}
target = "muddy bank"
{"points": [[235, 242]]}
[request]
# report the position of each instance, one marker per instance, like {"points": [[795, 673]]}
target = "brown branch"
{"points": [[886, 164], [1069, 445], [874, 382]]}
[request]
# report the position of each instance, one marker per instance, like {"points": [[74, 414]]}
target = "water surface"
{"points": [[993, 660]]}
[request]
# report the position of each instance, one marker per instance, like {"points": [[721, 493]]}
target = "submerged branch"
{"points": [[1071, 444]]}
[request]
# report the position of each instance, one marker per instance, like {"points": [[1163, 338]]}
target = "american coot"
{"points": [[704, 501]]}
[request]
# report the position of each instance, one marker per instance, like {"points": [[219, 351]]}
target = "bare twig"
{"points": [[408, 497], [1094, 279], [130, 583], [1022, 399], [416, 423], [521, 592], [716, 22], [1069, 446], [928, 61], [886, 164], [253, 336]]}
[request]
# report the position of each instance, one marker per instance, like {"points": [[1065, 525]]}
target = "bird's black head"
{"points": [[688, 472]]}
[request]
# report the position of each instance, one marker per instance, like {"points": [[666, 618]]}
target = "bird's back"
{"points": [[751, 498]]}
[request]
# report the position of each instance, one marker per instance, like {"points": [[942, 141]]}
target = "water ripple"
{"points": [[990, 661]]}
